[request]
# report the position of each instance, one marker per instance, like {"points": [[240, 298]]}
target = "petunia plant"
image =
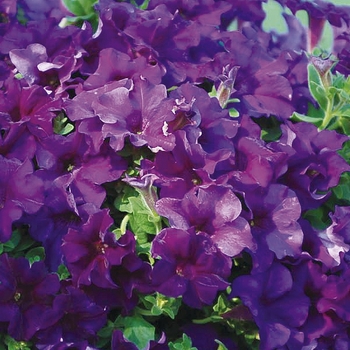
{"points": [[174, 175]]}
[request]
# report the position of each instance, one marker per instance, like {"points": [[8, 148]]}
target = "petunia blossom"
{"points": [[191, 266]]}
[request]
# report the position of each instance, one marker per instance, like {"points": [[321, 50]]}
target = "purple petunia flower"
{"points": [[268, 295], [75, 318], [91, 251], [274, 214], [84, 172], [214, 210], [185, 167], [314, 166], [139, 113], [26, 296], [20, 191], [50, 224], [191, 266]]}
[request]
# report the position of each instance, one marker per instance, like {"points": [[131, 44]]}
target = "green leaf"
{"points": [[319, 93], [316, 87], [142, 217], [62, 125], [13, 242], [35, 254], [63, 272], [305, 118], [16, 345], [318, 217], [160, 304], [184, 343], [221, 345], [342, 190], [270, 128], [80, 7], [138, 331]]}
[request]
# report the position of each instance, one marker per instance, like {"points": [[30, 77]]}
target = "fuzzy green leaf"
{"points": [[138, 331]]}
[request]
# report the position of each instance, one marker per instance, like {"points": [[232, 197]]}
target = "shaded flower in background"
{"points": [[74, 318], [27, 293]]}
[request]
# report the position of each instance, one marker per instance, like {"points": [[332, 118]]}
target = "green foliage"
{"points": [[332, 93], [221, 345], [270, 128], [158, 304], [62, 125], [184, 343], [83, 11], [63, 272], [138, 331], [135, 329], [21, 244], [35, 254], [142, 218], [8, 343]]}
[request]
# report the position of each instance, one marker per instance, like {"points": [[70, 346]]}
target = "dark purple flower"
{"points": [[130, 277], [314, 166], [273, 216], [140, 113], [202, 118], [318, 13], [335, 296], [20, 191], [79, 319], [31, 108], [127, 67], [26, 296], [191, 266], [50, 224], [33, 64], [179, 56], [85, 172], [203, 336], [255, 164], [268, 295], [328, 304], [185, 167], [214, 210], [91, 251], [341, 225], [83, 345]]}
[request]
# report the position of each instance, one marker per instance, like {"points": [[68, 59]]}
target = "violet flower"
{"points": [[268, 295], [69, 156], [79, 319], [274, 215], [214, 210], [34, 65], [185, 167], [314, 166], [26, 296], [191, 266], [20, 191], [91, 255], [50, 224], [139, 113]]}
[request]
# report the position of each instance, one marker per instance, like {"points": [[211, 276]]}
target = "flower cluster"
{"points": [[159, 171]]}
